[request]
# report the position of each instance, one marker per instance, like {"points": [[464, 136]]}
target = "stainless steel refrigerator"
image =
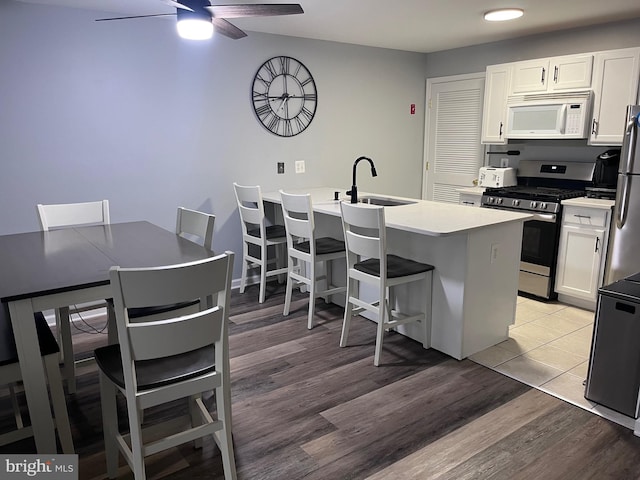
{"points": [[623, 256]]}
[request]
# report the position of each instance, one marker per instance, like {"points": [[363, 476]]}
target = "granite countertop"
{"points": [[422, 217]]}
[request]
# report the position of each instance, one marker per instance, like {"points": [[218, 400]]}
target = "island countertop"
{"points": [[423, 217]]}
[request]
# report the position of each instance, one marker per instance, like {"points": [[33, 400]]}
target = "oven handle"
{"points": [[543, 217]]}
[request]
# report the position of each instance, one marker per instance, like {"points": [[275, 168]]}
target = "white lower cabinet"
{"points": [[470, 196], [470, 199], [581, 254]]}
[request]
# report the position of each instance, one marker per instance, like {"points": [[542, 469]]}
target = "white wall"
{"points": [[128, 111]]}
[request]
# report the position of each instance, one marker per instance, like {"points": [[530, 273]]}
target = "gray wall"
{"points": [[129, 112], [579, 40], [475, 59]]}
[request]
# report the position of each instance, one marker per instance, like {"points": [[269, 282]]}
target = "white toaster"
{"points": [[497, 177]]}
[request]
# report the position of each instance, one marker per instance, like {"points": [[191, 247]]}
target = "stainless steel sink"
{"points": [[384, 201]]}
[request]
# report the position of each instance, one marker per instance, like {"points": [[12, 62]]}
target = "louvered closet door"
{"points": [[452, 144]]}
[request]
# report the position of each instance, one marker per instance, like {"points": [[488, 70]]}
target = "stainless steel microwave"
{"points": [[549, 115]]}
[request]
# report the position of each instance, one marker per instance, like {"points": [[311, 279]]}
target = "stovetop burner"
{"points": [[545, 194]]}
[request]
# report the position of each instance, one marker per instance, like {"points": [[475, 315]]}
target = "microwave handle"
{"points": [[563, 114]]}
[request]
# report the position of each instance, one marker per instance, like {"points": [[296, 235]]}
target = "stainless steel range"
{"points": [[541, 187]]}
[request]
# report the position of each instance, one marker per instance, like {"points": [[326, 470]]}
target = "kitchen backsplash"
{"points": [[560, 150]]}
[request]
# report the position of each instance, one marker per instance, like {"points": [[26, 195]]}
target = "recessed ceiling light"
{"points": [[503, 14]]}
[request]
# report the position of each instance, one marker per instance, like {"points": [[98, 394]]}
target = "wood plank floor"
{"points": [[303, 408]]}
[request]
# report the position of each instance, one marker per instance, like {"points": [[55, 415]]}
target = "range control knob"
{"points": [[490, 200], [515, 203], [543, 205], [499, 201], [534, 204]]}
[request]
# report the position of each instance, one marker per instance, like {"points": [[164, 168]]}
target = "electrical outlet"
{"points": [[504, 162], [299, 166], [494, 252], [280, 167]]}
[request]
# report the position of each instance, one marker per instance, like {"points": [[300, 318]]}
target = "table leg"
{"points": [[33, 377]]}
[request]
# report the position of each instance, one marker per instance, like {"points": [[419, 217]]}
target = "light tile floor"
{"points": [[548, 348]]}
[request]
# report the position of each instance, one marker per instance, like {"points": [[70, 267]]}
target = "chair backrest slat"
{"points": [[364, 231], [149, 287], [70, 214], [298, 216], [168, 336], [250, 207], [192, 223]]}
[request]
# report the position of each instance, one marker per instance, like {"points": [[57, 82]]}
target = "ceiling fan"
{"points": [[198, 18]]}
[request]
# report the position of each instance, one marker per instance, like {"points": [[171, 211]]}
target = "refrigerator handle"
{"points": [[623, 188], [631, 133], [624, 178]]}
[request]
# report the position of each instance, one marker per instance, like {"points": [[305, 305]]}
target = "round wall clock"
{"points": [[284, 96]]}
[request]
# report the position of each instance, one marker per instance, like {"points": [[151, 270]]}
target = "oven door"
{"points": [[539, 253], [540, 242]]}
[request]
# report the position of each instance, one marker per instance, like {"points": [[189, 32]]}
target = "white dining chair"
{"points": [[196, 226], [10, 374], [66, 215], [160, 361], [368, 262], [257, 235], [306, 253]]}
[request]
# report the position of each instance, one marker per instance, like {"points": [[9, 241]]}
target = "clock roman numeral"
{"points": [[300, 124], [306, 113], [305, 82], [288, 130], [270, 67], [262, 80], [260, 96], [274, 123], [263, 111], [285, 63]]}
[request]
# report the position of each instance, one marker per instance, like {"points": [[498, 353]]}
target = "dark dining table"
{"points": [[46, 270]]}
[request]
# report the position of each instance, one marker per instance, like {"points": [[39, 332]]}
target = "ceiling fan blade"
{"points": [[227, 29], [136, 16], [173, 3], [253, 10]]}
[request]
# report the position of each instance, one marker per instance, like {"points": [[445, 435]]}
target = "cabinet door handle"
{"points": [[500, 134], [594, 127], [468, 203], [555, 74], [542, 79], [582, 216], [597, 243]]}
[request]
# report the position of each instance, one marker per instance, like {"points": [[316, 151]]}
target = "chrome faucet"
{"points": [[354, 190]]}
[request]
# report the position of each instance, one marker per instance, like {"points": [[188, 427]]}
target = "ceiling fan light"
{"points": [[503, 14], [195, 29]]}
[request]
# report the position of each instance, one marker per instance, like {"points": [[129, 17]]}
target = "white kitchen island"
{"points": [[476, 254]]}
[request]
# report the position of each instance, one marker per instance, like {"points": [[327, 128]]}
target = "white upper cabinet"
{"points": [[494, 118], [569, 72], [615, 85], [530, 76]]}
